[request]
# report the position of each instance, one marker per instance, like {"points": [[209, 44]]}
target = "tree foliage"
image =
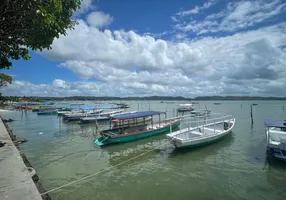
{"points": [[5, 79], [32, 24]]}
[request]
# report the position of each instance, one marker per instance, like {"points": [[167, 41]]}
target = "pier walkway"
{"points": [[15, 180]]}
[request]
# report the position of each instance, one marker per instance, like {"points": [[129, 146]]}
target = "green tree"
{"points": [[5, 79], [32, 24]]}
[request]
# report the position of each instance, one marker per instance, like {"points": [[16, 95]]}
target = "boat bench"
{"points": [[110, 134]]}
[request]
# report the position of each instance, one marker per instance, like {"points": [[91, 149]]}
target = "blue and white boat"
{"points": [[276, 138], [101, 117]]}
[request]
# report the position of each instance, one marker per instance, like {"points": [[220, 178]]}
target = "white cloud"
{"points": [[125, 63], [99, 19], [195, 10], [237, 16], [86, 5]]}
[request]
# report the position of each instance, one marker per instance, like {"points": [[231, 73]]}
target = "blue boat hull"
{"points": [[277, 153]]}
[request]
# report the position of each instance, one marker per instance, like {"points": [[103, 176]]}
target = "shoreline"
{"points": [[34, 178]]}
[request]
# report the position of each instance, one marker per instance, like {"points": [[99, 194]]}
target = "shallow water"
{"points": [[234, 168]]}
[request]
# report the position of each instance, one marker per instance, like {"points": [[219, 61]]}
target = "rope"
{"points": [[91, 175]]}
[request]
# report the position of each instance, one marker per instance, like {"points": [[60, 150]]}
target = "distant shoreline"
{"points": [[153, 98]]}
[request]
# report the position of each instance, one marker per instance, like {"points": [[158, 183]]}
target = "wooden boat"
{"points": [[217, 103], [185, 107], [210, 130], [276, 138], [136, 132], [130, 122], [47, 112]]}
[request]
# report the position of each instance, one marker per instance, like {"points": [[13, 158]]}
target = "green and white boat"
{"points": [[136, 131], [207, 131]]}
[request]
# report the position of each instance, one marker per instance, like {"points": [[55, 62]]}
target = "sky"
{"points": [[165, 48]]}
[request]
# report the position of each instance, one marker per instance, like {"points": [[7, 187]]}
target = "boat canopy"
{"points": [[275, 123], [136, 115]]}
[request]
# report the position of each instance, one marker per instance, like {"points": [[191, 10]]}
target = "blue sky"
{"points": [[140, 48]]}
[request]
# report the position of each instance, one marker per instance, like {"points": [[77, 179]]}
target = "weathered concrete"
{"points": [[15, 180]]}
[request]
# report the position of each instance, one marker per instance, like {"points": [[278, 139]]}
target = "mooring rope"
{"points": [[91, 175]]}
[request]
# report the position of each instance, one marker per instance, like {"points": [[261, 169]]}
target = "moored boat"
{"points": [[48, 112], [276, 138], [136, 132], [185, 107], [208, 131], [101, 117], [78, 115]]}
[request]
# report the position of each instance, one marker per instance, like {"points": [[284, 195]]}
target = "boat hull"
{"points": [[199, 144], [102, 141], [277, 153], [47, 113], [200, 141]]}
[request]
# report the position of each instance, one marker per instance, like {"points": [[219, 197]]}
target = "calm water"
{"points": [[234, 168]]}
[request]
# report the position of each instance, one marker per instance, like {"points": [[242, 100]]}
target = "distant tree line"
{"points": [[158, 98]]}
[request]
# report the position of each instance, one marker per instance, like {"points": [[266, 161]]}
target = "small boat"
{"points": [[136, 132], [276, 138], [122, 105], [185, 107], [167, 102], [217, 103], [130, 122], [210, 130], [101, 117], [47, 112], [201, 112], [78, 115]]}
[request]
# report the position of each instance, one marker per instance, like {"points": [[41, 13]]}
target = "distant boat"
{"points": [[217, 103], [211, 131], [135, 132], [167, 102], [185, 107], [276, 138], [47, 112], [254, 104]]}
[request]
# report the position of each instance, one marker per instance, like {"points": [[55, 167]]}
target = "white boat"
{"points": [[185, 107], [201, 112], [207, 131], [276, 138]]}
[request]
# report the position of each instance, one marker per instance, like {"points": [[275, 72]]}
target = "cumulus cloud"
{"points": [[237, 15], [99, 19], [125, 63], [86, 5]]}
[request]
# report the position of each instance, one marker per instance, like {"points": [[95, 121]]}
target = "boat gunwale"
{"points": [[181, 141], [139, 132]]}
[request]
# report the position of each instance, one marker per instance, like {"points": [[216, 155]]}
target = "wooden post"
{"points": [[283, 106], [251, 115]]}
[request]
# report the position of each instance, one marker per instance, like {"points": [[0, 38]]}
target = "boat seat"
{"points": [[277, 135], [110, 134], [196, 132]]}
